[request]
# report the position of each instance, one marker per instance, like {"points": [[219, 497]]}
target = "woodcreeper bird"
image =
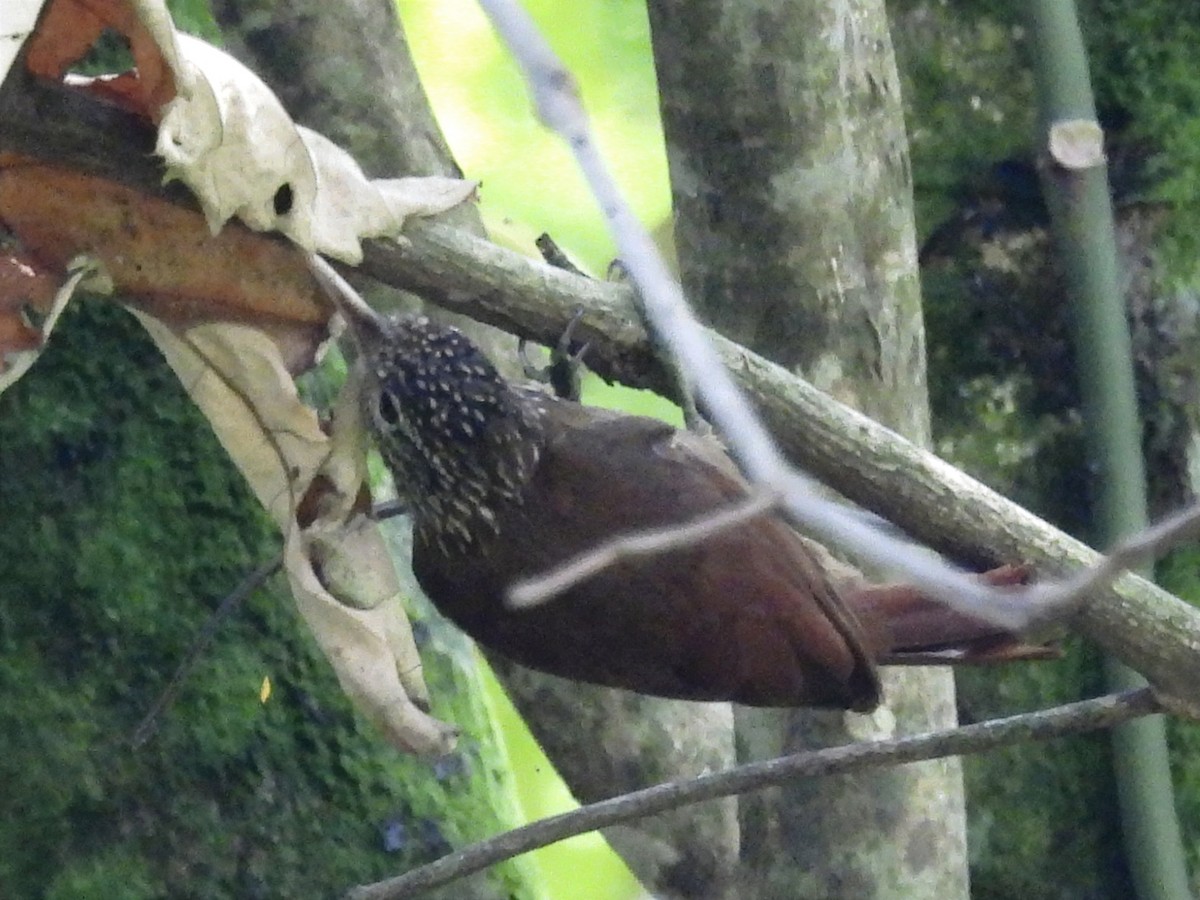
{"points": [[505, 482]]}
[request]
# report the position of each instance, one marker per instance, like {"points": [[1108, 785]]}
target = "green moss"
{"points": [[1179, 573], [115, 875], [970, 104], [124, 526], [1145, 79]]}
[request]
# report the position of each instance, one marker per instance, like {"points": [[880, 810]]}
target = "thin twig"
{"points": [[554, 255], [149, 724], [226, 608], [1072, 718], [1130, 553], [535, 591]]}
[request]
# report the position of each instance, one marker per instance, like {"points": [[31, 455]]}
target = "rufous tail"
{"points": [[907, 628]]}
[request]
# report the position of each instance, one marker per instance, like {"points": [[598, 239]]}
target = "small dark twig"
{"points": [[1072, 718], [554, 256], [565, 363], [563, 371], [389, 509], [149, 724], [226, 608]]}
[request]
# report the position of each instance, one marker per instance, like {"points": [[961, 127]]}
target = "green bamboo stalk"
{"points": [[1082, 217]]}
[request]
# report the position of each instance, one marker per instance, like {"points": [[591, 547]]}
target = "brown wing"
{"points": [[746, 616]]}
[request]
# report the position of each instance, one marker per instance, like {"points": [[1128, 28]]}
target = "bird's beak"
{"points": [[365, 324]]}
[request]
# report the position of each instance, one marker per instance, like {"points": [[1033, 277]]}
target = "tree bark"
{"points": [[794, 229], [607, 742]]}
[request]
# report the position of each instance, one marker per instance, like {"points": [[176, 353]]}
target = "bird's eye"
{"points": [[387, 408]]}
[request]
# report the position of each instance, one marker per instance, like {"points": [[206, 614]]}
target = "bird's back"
{"points": [[747, 615]]}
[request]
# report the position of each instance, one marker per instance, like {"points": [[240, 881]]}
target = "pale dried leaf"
{"points": [[347, 547], [425, 196], [344, 545], [19, 18], [353, 563], [341, 575], [361, 644], [235, 374], [229, 139], [227, 136], [350, 207]]}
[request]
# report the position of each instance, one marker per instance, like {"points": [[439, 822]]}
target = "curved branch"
{"points": [[1133, 620], [1072, 718]]}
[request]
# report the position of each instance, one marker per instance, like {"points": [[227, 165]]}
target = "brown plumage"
{"points": [[505, 482]]}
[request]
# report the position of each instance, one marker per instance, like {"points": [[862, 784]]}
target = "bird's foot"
{"points": [[566, 361]]}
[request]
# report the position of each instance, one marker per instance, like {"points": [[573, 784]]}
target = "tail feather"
{"points": [[912, 629]]}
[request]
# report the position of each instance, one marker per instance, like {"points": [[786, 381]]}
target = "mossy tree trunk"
{"points": [[125, 525]]}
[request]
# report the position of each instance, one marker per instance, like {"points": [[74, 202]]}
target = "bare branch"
{"points": [[1073, 718], [535, 591]]}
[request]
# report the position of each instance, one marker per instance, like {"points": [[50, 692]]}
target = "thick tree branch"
{"points": [[1133, 620], [1073, 718]]}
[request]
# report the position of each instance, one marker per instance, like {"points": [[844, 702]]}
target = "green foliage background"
{"points": [[124, 524]]}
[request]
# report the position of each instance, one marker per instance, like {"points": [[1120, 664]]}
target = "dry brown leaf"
{"points": [[226, 135], [237, 314], [69, 28], [22, 284], [164, 257], [16, 363], [235, 374]]}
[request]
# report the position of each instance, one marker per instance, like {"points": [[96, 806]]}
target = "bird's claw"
{"points": [[562, 374]]}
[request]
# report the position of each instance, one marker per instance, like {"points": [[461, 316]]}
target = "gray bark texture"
{"points": [[793, 205], [345, 69]]}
